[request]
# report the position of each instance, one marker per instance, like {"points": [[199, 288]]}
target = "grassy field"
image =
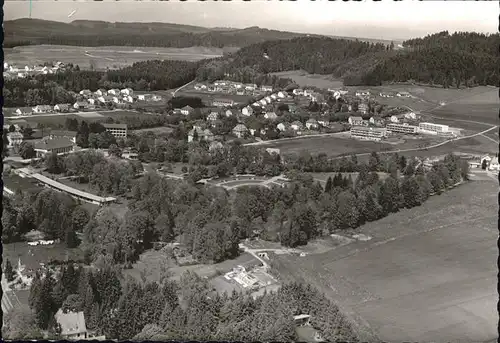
{"points": [[332, 146], [103, 57], [427, 274], [151, 262], [304, 79], [475, 145], [31, 256], [16, 183], [156, 130]]}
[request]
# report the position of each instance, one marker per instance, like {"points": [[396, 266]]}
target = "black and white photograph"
{"points": [[294, 171]]}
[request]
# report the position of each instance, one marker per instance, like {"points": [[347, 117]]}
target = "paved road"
{"points": [[181, 87]]}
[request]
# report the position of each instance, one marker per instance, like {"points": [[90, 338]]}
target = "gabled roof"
{"points": [[312, 121], [297, 123], [63, 133], [187, 108], [55, 143], [71, 322], [15, 135], [25, 109], [62, 105], [355, 118], [240, 128], [46, 107]]}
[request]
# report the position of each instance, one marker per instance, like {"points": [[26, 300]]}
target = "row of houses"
{"points": [[11, 71], [231, 87], [117, 96]]}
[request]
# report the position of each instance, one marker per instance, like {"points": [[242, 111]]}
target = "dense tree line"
{"points": [[52, 89], [123, 308], [126, 34], [55, 214], [461, 59]]}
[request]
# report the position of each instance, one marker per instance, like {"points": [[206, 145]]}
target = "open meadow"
{"points": [[426, 274], [103, 57], [304, 79]]}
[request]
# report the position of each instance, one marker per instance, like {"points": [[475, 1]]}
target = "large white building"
{"points": [[368, 133], [117, 130], [431, 127], [401, 128]]}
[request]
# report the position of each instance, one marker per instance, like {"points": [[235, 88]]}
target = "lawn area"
{"points": [[331, 145], [16, 183], [155, 130], [31, 256], [476, 145], [427, 274], [151, 261], [304, 79]]}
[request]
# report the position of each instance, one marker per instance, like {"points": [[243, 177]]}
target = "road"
{"points": [[181, 87]]}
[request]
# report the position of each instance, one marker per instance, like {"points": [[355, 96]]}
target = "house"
{"points": [[263, 102], [404, 94], [376, 121], [312, 124], [61, 108], [24, 111], [229, 113], [128, 98], [266, 88], [127, 91], [494, 166], [362, 93], [296, 125], [213, 116], [302, 319], [81, 105], [105, 99], [268, 99], [222, 102], [214, 146], [114, 91], [42, 109], [485, 158], [298, 91], [411, 115], [91, 101], [144, 97], [117, 130], [386, 95], [187, 110], [206, 134], [221, 83], [72, 325], [14, 138], [282, 94], [60, 145], [274, 97], [363, 108], [200, 86], [86, 92], [394, 119], [355, 121], [100, 92], [240, 130], [250, 86], [271, 115], [71, 135], [324, 122], [283, 126]]}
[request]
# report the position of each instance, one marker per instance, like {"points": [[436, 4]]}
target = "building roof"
{"points": [[15, 135], [312, 121], [240, 128], [188, 108], [355, 118], [47, 107], [81, 103], [114, 126], [70, 190], [55, 143], [25, 109], [62, 105], [63, 133], [71, 322], [297, 123]]}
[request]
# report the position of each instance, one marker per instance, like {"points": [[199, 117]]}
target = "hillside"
{"points": [[461, 59], [100, 33]]}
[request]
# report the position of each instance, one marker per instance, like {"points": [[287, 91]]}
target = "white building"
{"points": [[15, 139], [433, 128], [494, 166], [117, 130], [297, 126], [312, 124], [368, 133], [72, 325], [240, 130], [355, 121], [402, 128]]}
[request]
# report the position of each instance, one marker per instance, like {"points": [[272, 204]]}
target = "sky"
{"points": [[366, 19]]}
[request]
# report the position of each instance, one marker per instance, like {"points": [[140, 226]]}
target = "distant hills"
{"points": [[100, 33]]}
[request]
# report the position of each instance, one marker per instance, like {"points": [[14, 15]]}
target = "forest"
{"points": [[123, 308], [91, 33], [459, 59]]}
